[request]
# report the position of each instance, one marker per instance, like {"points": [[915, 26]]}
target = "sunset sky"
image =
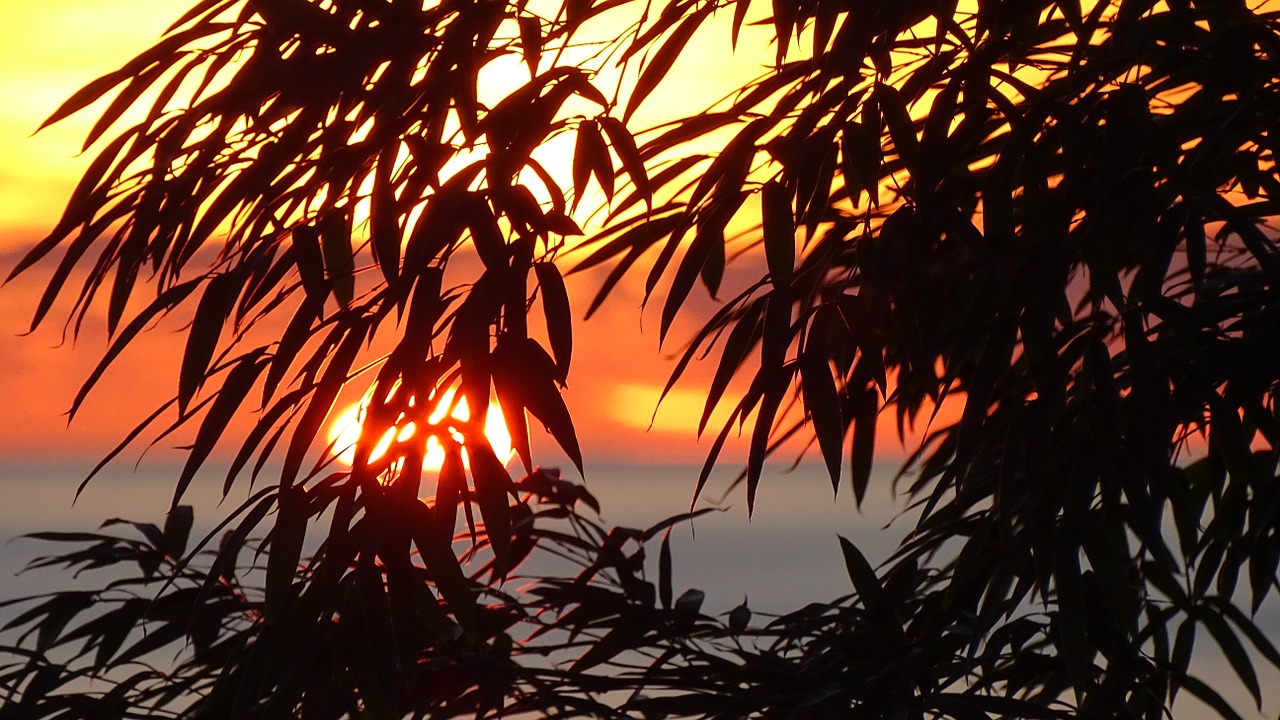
{"points": [[50, 49]]}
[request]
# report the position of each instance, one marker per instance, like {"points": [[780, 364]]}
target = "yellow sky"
{"points": [[49, 49]]}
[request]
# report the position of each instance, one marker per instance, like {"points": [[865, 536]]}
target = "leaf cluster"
{"points": [[1041, 234]]}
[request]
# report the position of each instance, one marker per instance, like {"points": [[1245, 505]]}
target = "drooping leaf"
{"points": [[339, 263], [493, 486], [286, 539], [165, 302], [864, 411], [660, 64], [779, 231], [624, 145], [202, 340], [861, 574], [310, 259], [823, 404], [326, 391], [523, 371], [559, 317], [664, 571], [384, 225], [235, 388], [530, 42]]}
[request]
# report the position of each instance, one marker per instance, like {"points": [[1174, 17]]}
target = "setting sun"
{"points": [[346, 430]]}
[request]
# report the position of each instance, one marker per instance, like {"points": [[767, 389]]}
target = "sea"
{"points": [[779, 557]]}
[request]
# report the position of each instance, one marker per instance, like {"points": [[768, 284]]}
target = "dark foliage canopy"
{"points": [[1057, 216]]}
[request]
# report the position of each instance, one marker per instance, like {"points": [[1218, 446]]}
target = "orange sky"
{"points": [[48, 50]]}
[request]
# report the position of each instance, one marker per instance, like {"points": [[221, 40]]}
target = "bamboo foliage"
{"points": [[1054, 218]]}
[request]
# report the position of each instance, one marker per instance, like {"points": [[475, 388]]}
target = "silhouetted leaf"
{"points": [[689, 602], [177, 529], [493, 485], [384, 226], [657, 67], [165, 302], [559, 317], [861, 574], [625, 146], [339, 264], [202, 340], [286, 547], [865, 409], [860, 155], [1235, 653], [327, 389], [530, 42], [523, 371], [1209, 697], [823, 404], [779, 231], [664, 571], [310, 259]]}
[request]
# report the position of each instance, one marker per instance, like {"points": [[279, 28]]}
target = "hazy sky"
{"points": [[50, 48], [47, 50]]}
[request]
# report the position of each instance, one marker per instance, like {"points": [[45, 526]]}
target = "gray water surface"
{"points": [[782, 557]]}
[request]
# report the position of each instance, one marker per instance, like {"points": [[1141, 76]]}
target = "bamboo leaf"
{"points": [[823, 404], [177, 530], [624, 144], [660, 64], [664, 571], [310, 260], [493, 486], [530, 42], [581, 169], [286, 548], [779, 231], [865, 410], [558, 315], [1209, 697], [165, 51], [165, 302], [202, 340], [326, 391], [228, 400], [384, 224], [523, 371], [861, 574], [598, 157], [1236, 655], [339, 263], [739, 618], [445, 571]]}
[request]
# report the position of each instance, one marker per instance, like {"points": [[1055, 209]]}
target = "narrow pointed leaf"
{"points": [[339, 263], [202, 340], [662, 60], [164, 303], [779, 231], [624, 144], [861, 574], [862, 446], [559, 316]]}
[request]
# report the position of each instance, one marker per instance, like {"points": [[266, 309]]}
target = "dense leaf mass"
{"points": [[1042, 234]]}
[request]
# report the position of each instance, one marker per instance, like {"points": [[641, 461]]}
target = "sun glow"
{"points": [[347, 428]]}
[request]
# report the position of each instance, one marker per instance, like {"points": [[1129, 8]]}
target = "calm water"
{"points": [[787, 552], [783, 557]]}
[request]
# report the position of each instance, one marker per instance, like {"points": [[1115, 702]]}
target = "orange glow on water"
{"points": [[347, 428]]}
